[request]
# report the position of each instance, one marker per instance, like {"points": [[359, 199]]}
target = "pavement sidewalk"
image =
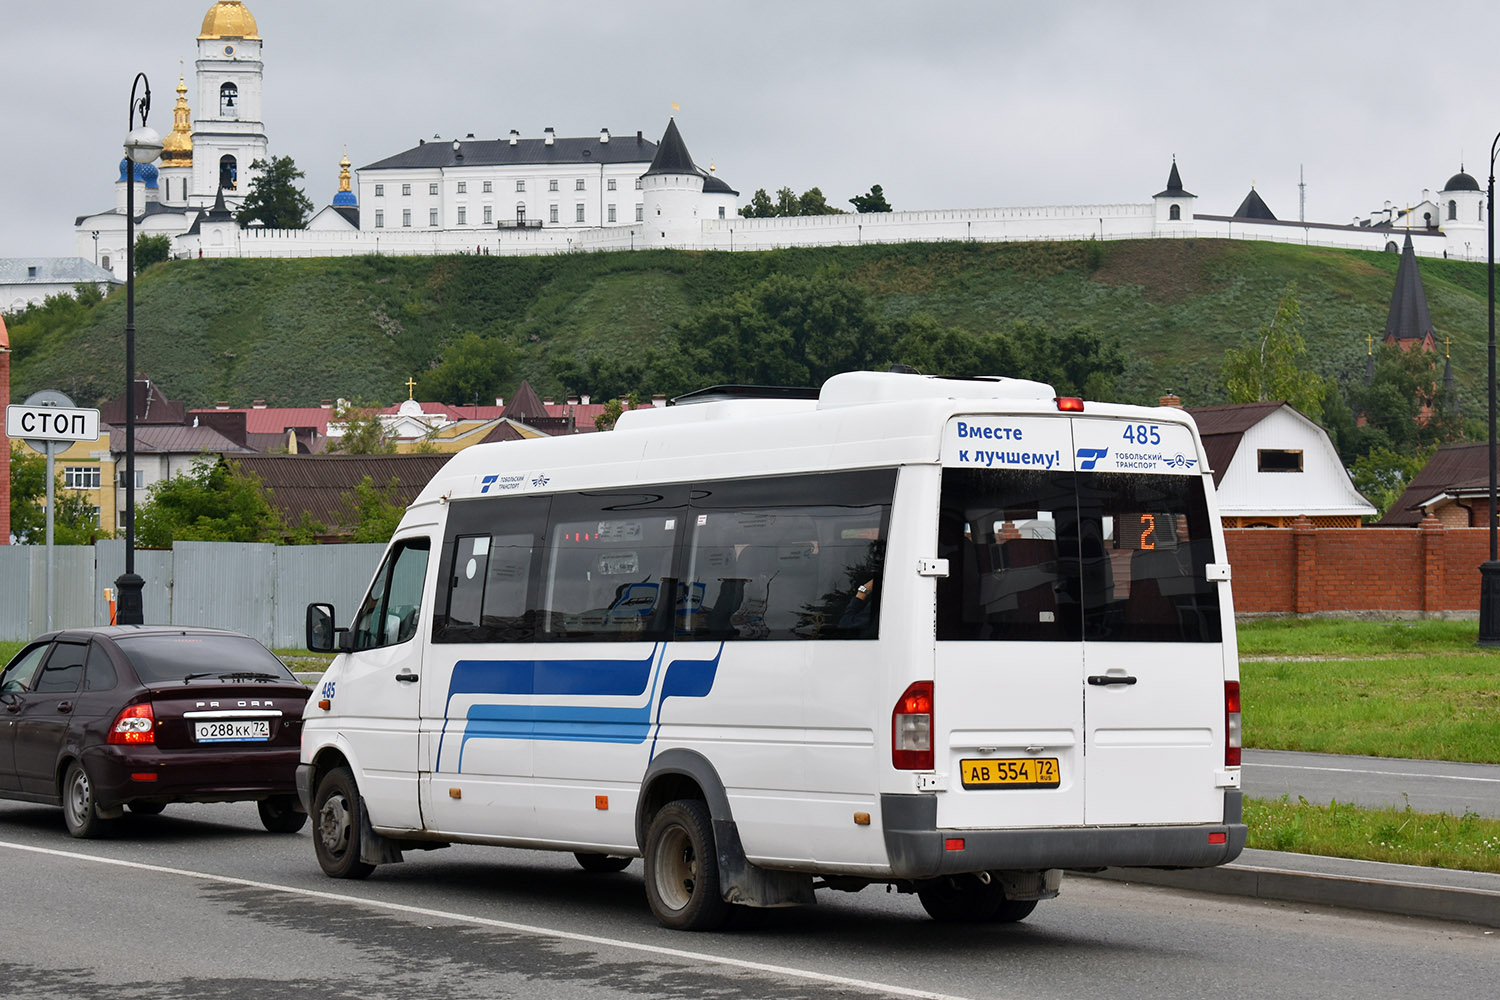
{"points": [[1407, 890]]}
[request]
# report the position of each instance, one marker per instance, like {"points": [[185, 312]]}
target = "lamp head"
{"points": [[143, 145]]}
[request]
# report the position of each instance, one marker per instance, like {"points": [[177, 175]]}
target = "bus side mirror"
{"points": [[322, 636]]}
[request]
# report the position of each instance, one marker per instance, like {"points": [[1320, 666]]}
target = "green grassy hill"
{"points": [[294, 332]]}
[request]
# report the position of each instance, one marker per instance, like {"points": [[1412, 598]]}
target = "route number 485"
{"points": [[1143, 434]]}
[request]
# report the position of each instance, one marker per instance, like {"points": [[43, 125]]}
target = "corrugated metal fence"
{"points": [[261, 590]]}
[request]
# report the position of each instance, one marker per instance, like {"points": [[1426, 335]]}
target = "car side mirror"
{"points": [[322, 635]]}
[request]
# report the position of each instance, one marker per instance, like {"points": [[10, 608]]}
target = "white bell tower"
{"points": [[228, 134]]}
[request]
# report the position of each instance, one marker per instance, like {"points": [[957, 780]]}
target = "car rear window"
{"points": [[163, 658]]}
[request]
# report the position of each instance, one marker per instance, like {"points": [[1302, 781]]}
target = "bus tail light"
{"points": [[1232, 734], [911, 729], [136, 724]]}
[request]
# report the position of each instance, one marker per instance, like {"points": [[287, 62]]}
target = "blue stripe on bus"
{"points": [[578, 723]]}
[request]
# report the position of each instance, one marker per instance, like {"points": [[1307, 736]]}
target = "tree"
{"points": [[873, 201], [151, 250], [274, 197], [364, 433], [760, 206], [785, 330], [215, 501], [473, 367], [375, 511], [786, 203], [813, 202], [1382, 474], [74, 521], [1266, 368]]}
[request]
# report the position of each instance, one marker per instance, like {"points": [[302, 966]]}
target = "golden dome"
{"points": [[177, 147], [229, 19]]}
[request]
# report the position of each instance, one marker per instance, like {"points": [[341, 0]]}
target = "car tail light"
{"points": [[1069, 404], [135, 724], [911, 729], [1232, 735]]}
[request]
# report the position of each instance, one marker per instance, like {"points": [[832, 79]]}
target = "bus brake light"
{"points": [[1232, 734], [1070, 404], [911, 729]]}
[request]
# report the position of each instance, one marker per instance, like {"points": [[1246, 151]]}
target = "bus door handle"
{"points": [[1098, 680], [406, 677]]}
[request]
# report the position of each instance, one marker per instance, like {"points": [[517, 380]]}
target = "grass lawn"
{"points": [[1400, 836]]}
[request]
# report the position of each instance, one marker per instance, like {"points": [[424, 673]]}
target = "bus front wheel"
{"points": [[337, 812]]}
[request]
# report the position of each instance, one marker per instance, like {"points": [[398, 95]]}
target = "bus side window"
{"points": [[388, 614]]}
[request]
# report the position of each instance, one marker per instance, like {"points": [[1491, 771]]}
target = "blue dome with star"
{"points": [[144, 172], [345, 198]]}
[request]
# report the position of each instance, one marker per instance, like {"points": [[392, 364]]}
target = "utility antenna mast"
{"points": [[1301, 195]]}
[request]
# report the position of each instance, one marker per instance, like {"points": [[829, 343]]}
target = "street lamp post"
{"points": [[142, 145], [1489, 572], [95, 234]]}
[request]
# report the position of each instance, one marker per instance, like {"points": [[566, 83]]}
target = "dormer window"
{"points": [[229, 100]]}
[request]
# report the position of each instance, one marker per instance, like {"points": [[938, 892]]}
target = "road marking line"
{"points": [[547, 932], [1389, 774]]}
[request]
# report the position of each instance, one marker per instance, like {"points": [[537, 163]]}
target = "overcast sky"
{"points": [[945, 104]]}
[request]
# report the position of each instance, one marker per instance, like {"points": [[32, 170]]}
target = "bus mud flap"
{"points": [[750, 885]]}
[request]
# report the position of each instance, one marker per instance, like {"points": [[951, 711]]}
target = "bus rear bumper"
{"points": [[918, 849]]}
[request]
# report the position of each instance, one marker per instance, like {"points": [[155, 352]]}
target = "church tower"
{"points": [[176, 173], [671, 193], [228, 134]]}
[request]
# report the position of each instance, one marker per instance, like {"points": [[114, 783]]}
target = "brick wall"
{"points": [[1304, 569]]}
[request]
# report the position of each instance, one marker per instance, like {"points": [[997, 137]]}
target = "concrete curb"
{"points": [[1405, 890]]}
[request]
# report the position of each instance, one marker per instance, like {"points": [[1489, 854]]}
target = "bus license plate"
{"points": [[1029, 772], [232, 731]]}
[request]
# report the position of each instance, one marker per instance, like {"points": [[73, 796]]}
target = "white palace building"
{"points": [[556, 194]]}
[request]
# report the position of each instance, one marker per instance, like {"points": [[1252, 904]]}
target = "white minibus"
{"points": [[952, 635]]}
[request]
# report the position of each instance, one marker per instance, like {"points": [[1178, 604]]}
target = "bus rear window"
{"points": [[1063, 556]]}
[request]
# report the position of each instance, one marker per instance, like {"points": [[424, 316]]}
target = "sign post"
{"points": [[49, 423]]}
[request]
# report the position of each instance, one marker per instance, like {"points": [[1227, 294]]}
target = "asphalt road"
{"points": [[1428, 786], [201, 903]]}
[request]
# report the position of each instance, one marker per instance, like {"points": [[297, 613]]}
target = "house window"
{"points": [[578, 212], [380, 190], [578, 184], [637, 183], [432, 188], [1175, 213], [406, 217], [640, 212], [721, 211], [611, 213], [463, 215], [488, 187], [463, 187], [1279, 459], [104, 262], [611, 184], [379, 219], [1452, 210], [552, 185], [520, 185], [489, 215], [521, 213], [406, 190], [552, 214], [432, 216], [81, 477]]}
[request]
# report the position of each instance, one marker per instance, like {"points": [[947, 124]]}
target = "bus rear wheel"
{"points": [[967, 899], [682, 868]]}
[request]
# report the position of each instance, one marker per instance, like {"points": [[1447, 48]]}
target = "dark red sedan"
{"points": [[100, 719]]}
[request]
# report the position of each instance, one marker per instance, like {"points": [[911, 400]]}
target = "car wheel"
{"points": [[961, 899], [147, 808], [280, 814], [601, 863], [338, 813], [80, 810], [682, 868], [1011, 910]]}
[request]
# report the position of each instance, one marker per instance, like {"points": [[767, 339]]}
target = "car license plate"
{"points": [[233, 731], [1029, 772]]}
